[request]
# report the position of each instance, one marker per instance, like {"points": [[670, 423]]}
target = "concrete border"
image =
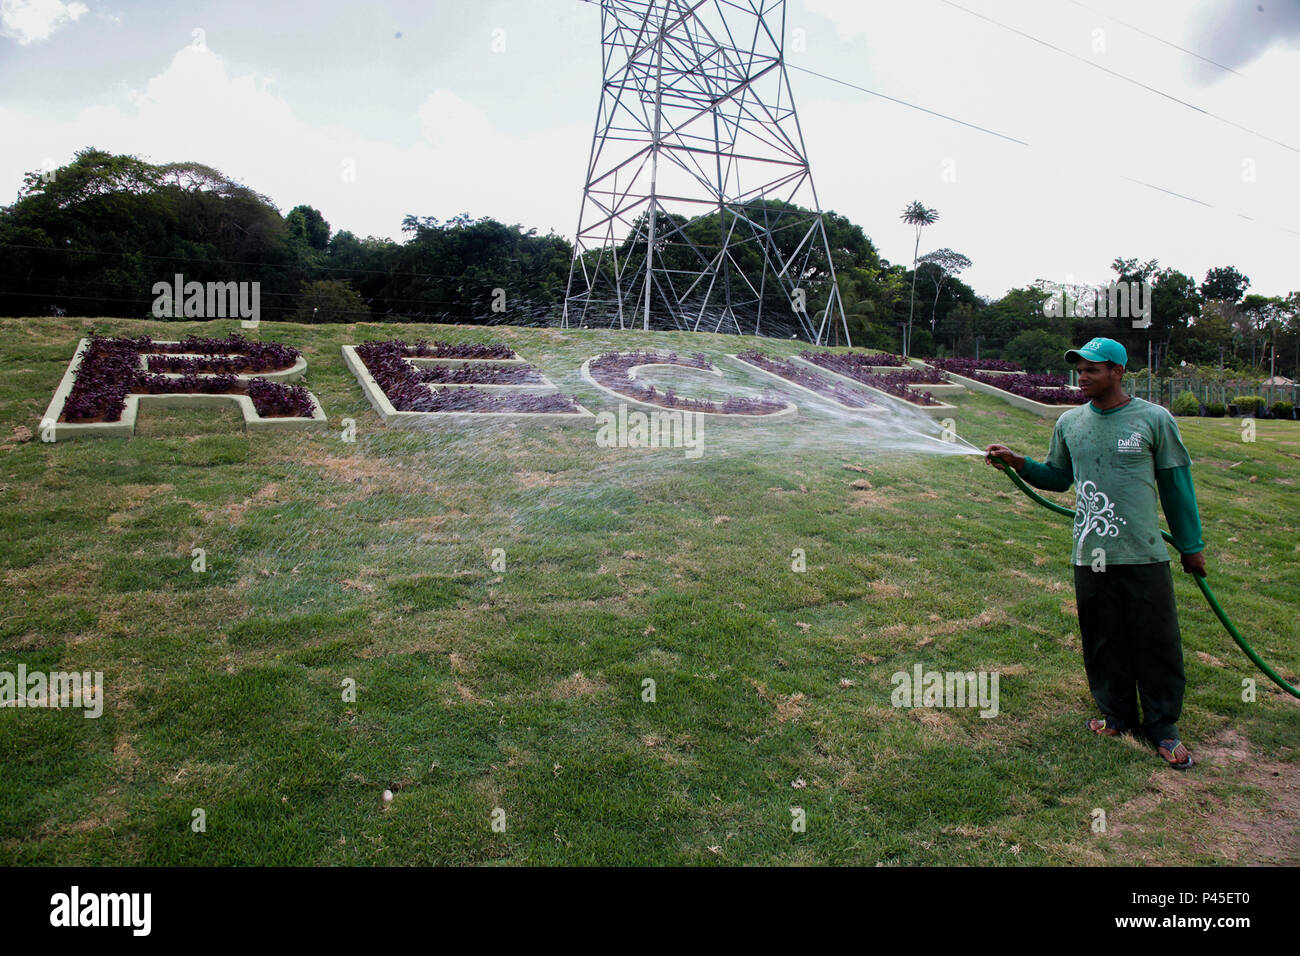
{"points": [[790, 407], [631, 372], [395, 419], [450, 360], [919, 363], [124, 427], [545, 383], [878, 369], [291, 374], [934, 411], [433, 359], [875, 409], [943, 388], [1028, 404]]}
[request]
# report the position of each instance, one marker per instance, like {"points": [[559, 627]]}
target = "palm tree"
{"points": [[915, 215]]}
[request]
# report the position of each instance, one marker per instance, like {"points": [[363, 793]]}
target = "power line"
{"points": [[1158, 39], [1021, 142], [892, 99], [1152, 186], [1121, 76], [461, 276], [1199, 202]]}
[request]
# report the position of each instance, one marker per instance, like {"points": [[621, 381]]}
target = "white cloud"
{"points": [[29, 21], [1061, 207], [456, 160]]}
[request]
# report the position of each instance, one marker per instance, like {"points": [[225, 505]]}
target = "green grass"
{"points": [[333, 563]]}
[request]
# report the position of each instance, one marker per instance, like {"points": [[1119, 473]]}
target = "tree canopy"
{"points": [[92, 237]]}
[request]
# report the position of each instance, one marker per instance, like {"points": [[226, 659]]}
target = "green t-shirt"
{"points": [[1114, 456]]}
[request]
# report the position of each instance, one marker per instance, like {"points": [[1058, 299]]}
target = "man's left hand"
{"points": [[1195, 563]]}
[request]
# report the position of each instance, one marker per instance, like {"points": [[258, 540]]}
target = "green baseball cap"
{"points": [[1099, 350]]}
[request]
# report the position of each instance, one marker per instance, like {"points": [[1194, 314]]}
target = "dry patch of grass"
{"points": [[940, 627], [576, 685], [1042, 584], [936, 721], [110, 816], [787, 706], [467, 694], [867, 498], [368, 474], [1227, 827]]}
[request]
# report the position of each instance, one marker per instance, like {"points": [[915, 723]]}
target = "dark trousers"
{"points": [[1131, 645]]}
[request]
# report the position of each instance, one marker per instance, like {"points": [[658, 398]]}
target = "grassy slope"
{"points": [[522, 690]]}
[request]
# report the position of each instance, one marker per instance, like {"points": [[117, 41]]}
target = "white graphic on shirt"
{"points": [[1132, 443], [1094, 513]]}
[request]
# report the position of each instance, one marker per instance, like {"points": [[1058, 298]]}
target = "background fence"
{"points": [[1164, 391]]}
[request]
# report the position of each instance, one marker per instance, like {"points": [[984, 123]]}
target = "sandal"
{"points": [[1099, 727], [1175, 753]]}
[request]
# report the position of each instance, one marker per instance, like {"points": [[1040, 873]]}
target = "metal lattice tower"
{"points": [[699, 210]]}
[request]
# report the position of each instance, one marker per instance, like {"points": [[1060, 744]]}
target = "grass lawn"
{"points": [[521, 691]]}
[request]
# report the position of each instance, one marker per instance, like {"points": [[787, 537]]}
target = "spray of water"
{"points": [[422, 495]]}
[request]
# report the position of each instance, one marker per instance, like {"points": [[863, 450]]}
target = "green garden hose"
{"points": [[1200, 582]]}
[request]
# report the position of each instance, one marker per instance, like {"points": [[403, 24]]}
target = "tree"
{"points": [[308, 226], [1210, 335], [1001, 321], [1175, 303], [452, 271], [1264, 317], [1038, 350], [957, 326], [92, 172], [1131, 270], [98, 232], [1225, 283], [872, 297], [915, 214], [1175, 306], [1291, 335], [944, 264], [329, 300]]}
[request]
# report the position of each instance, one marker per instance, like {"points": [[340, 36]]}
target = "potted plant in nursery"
{"points": [[1185, 404], [1252, 406]]}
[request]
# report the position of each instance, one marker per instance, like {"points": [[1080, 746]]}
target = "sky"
{"points": [[1163, 129]]}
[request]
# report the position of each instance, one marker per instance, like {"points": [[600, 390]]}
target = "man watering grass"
{"points": [[1120, 452]]}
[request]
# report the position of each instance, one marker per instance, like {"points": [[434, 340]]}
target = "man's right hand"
{"points": [[1006, 455]]}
